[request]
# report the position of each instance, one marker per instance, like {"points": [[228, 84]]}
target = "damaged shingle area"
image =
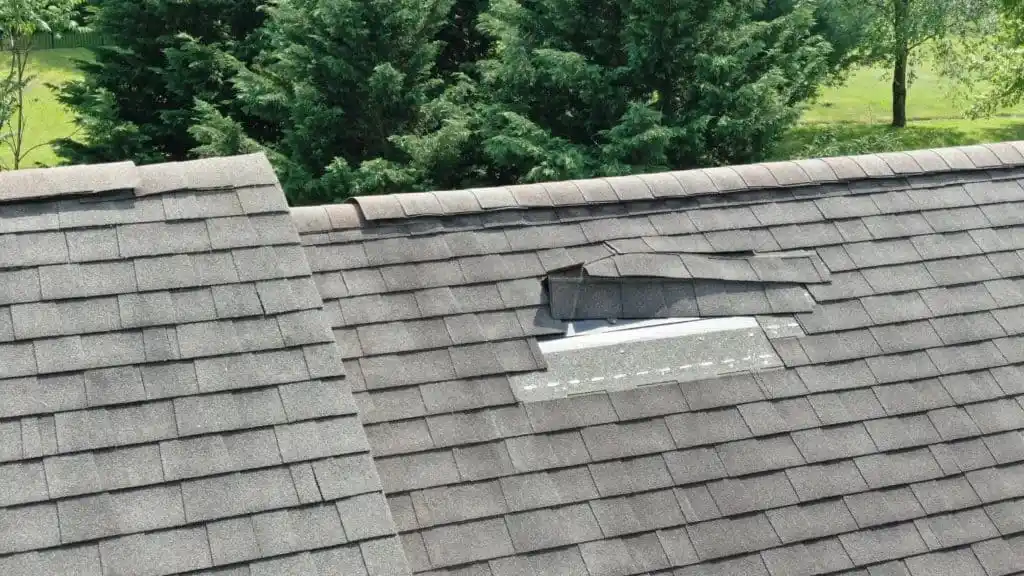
{"points": [[172, 399], [891, 442]]}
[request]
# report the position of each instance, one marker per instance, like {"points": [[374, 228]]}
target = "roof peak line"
{"points": [[664, 185], [34, 184]]}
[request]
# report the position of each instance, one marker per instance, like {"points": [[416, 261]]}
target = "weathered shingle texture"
{"points": [[172, 399], [891, 443]]}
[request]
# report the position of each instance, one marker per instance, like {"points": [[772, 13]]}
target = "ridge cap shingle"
{"points": [[769, 176], [206, 174], [42, 183]]}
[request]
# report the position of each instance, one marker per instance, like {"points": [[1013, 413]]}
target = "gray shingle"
{"points": [[902, 432], [456, 504], [946, 494], [773, 417], [759, 455], [627, 476], [639, 513], [880, 544], [948, 563], [107, 427], [624, 440], [833, 442], [552, 527], [957, 528], [158, 552], [726, 537], [880, 470], [476, 541], [884, 506], [543, 451], [709, 427], [825, 480], [544, 489], [753, 493]]}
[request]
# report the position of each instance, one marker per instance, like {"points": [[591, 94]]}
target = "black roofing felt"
{"points": [[171, 397], [179, 378], [891, 443]]}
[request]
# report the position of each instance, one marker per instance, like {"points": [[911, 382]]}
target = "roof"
{"points": [[171, 397], [889, 441]]}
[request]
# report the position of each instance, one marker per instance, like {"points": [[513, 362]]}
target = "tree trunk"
{"points": [[902, 54]]}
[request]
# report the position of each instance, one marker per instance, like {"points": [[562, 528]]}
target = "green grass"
{"points": [[46, 119], [854, 118]]}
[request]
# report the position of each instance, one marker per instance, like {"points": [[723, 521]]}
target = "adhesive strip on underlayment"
{"points": [[680, 351]]}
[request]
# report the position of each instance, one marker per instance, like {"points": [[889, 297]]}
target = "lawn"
{"points": [[854, 118], [46, 119]]}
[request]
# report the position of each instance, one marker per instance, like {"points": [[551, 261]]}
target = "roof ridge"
{"points": [[664, 185], [88, 179]]}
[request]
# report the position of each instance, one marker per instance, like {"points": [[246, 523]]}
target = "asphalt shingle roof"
{"points": [[171, 395], [892, 442]]}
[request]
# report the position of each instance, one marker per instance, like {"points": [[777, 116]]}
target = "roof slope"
{"points": [[171, 398], [893, 439]]}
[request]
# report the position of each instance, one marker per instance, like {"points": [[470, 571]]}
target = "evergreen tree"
{"points": [[337, 78], [136, 100], [580, 88]]}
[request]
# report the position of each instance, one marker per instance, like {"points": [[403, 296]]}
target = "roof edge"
{"points": [[82, 180], [207, 174], [677, 184]]}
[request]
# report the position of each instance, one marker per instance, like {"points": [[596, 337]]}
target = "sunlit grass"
{"points": [[46, 118]]}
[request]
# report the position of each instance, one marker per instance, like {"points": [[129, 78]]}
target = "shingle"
{"points": [[899, 278], [567, 561], [365, 516], [759, 454], [346, 476], [836, 376], [552, 527], [1008, 517], [997, 415], [826, 480], [810, 521], [156, 238], [628, 476], [945, 494], [479, 426], [947, 563], [544, 489], [897, 367], [833, 442], [22, 482], [320, 438], [846, 207], [967, 357], [92, 244], [752, 493], [639, 513], [158, 552], [880, 544], [807, 235], [543, 451], [228, 411], [896, 308], [122, 512], [243, 492], [232, 541], [957, 528], [82, 280], [781, 416], [459, 503], [219, 453], [884, 506], [709, 427], [623, 440], [405, 369], [971, 387], [462, 543], [953, 423], [726, 537], [813, 558], [417, 470], [104, 427], [902, 432], [85, 560], [38, 437], [906, 337], [19, 286], [696, 465], [993, 484], [934, 246], [1006, 447], [40, 395], [962, 456], [836, 316], [894, 468], [897, 225]]}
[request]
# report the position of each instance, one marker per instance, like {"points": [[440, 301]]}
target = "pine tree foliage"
{"points": [[136, 100], [339, 78], [578, 88]]}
